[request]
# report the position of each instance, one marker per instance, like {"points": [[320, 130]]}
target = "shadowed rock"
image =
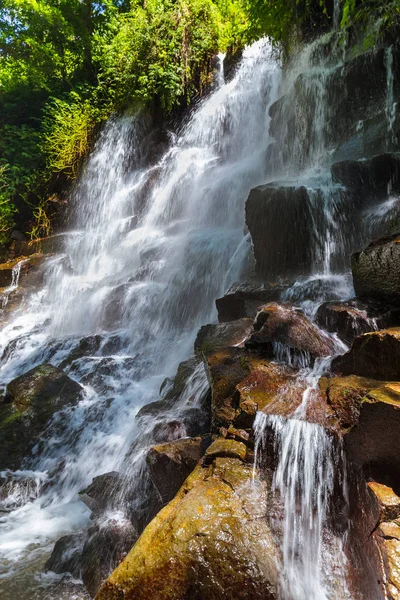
{"points": [[375, 354], [352, 318], [376, 270], [169, 464], [28, 405]]}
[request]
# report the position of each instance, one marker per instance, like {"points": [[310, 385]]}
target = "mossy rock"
{"points": [[211, 542], [28, 405]]}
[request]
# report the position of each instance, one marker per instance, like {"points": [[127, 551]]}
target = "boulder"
{"points": [[388, 535], [280, 224], [371, 178], [243, 384], [28, 405], [375, 354], [376, 270], [288, 326], [368, 412], [222, 335], [226, 448], [107, 545], [17, 489], [66, 555], [104, 492], [48, 245], [211, 541], [389, 502], [169, 464], [242, 300], [352, 318]]}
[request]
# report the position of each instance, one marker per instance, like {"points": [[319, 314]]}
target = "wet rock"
{"points": [[283, 324], [48, 245], [365, 575], [240, 435], [66, 555], [169, 431], [169, 464], [184, 375], [354, 317], [370, 178], [376, 270], [28, 405], [17, 489], [387, 535], [87, 346], [375, 354], [104, 492], [222, 335], [389, 502], [273, 214], [28, 266], [368, 411], [106, 547], [243, 384], [225, 449], [211, 541], [242, 300], [231, 61]]}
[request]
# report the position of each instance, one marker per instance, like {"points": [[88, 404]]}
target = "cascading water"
{"points": [[137, 277]]}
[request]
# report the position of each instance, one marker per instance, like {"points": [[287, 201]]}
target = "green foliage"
{"points": [[7, 209], [373, 18], [67, 126], [278, 18], [161, 52]]}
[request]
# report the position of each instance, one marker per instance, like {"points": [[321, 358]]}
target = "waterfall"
{"points": [[391, 105], [150, 250]]}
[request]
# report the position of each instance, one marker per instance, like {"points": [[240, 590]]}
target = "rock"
{"points": [[231, 60], [86, 346], [188, 388], [243, 384], [389, 502], [66, 555], [104, 492], [211, 541], [28, 405], [272, 215], [370, 178], [48, 245], [242, 300], [225, 449], [169, 464], [222, 335], [184, 375], [365, 574], [240, 435], [17, 489], [375, 355], [106, 547], [169, 431], [286, 325], [388, 534], [354, 317], [369, 415], [376, 270]]}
